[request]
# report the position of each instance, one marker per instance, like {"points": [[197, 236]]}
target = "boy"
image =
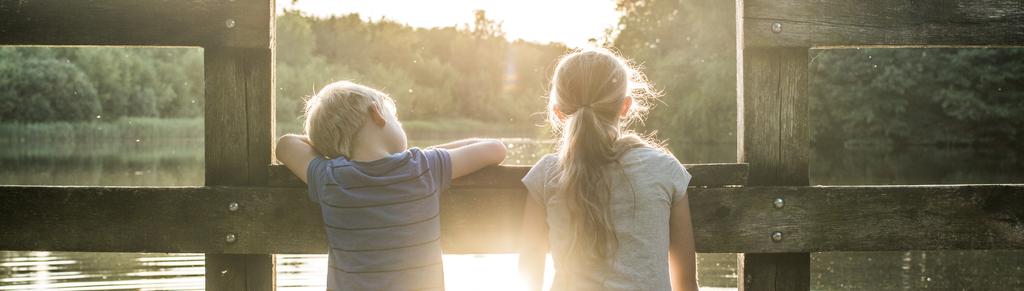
{"points": [[379, 198]]}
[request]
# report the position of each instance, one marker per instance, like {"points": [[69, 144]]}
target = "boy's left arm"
{"points": [[470, 155], [460, 143], [296, 153]]}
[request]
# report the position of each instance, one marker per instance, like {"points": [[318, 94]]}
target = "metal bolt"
{"points": [[776, 236], [230, 238], [776, 27], [223, 272], [779, 203], [233, 206], [230, 23]]}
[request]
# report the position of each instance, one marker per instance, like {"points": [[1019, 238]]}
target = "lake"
{"points": [[180, 163]]}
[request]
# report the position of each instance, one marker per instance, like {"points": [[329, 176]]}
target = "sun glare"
{"points": [[572, 22], [488, 272]]}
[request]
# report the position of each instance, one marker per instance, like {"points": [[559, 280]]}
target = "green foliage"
{"points": [[449, 72], [901, 96], [918, 96], [36, 87], [687, 49], [75, 84], [473, 72]]}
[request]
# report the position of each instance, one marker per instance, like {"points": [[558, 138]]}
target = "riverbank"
{"points": [[141, 129]]}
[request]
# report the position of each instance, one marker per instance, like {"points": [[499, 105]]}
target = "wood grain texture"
{"points": [[255, 272], [226, 121], [776, 136], [137, 22], [238, 115], [809, 23], [859, 218], [726, 220], [774, 271], [259, 110], [510, 176]]}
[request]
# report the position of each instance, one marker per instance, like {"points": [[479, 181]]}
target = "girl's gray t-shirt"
{"points": [[644, 189]]}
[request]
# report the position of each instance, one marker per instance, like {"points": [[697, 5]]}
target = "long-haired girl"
{"points": [[610, 204]]}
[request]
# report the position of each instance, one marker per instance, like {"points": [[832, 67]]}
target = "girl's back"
{"points": [[609, 206], [643, 190]]}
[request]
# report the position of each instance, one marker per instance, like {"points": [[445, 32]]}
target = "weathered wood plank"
{"points": [[776, 139], [726, 220], [774, 271], [259, 110], [240, 272], [239, 130], [226, 122], [808, 23], [509, 176], [859, 218], [137, 22]]}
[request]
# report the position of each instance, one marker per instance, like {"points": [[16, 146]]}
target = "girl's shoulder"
{"points": [[650, 156]]}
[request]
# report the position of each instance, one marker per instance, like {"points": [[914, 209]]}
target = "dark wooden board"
{"points": [[774, 121], [774, 272], [509, 176], [859, 218], [809, 23], [250, 272], [730, 219], [137, 22], [239, 126]]}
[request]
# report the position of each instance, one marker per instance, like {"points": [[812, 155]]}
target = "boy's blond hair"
{"points": [[335, 114]]}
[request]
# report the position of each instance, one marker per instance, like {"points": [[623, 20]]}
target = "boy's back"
{"points": [[382, 219]]}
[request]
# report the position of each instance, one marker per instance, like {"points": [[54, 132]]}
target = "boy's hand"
{"points": [[295, 152], [471, 155]]}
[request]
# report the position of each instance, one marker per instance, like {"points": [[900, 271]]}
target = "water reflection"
{"points": [[100, 271]]}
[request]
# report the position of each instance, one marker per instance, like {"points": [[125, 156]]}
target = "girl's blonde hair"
{"points": [[588, 91]]}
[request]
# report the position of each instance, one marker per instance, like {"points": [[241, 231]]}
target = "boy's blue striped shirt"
{"points": [[382, 219]]}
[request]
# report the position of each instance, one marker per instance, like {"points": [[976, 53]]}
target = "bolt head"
{"points": [[779, 203], [230, 238], [776, 236], [776, 27], [233, 206], [230, 23]]}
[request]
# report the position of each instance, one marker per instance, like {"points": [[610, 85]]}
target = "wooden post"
{"points": [[773, 137], [239, 136]]}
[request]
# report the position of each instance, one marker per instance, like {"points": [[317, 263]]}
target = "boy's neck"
{"points": [[369, 153]]}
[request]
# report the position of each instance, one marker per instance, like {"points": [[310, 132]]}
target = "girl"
{"points": [[610, 204]]}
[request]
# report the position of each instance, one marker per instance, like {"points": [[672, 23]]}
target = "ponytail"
{"points": [[588, 93], [588, 149]]}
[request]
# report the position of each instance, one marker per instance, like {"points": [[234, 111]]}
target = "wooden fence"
{"points": [[761, 206]]}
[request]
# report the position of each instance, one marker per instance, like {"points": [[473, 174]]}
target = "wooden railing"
{"points": [[761, 207]]}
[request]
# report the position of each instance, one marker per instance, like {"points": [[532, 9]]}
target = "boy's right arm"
{"points": [[296, 153], [471, 155]]}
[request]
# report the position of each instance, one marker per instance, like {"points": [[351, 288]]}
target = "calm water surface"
{"points": [[180, 163]]}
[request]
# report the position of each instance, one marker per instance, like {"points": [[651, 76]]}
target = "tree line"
{"points": [[959, 96]]}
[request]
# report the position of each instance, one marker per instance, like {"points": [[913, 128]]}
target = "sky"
{"points": [[572, 22]]}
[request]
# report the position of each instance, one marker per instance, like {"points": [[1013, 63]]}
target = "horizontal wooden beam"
{"points": [[486, 220], [859, 218], [810, 23], [509, 176], [237, 23]]}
